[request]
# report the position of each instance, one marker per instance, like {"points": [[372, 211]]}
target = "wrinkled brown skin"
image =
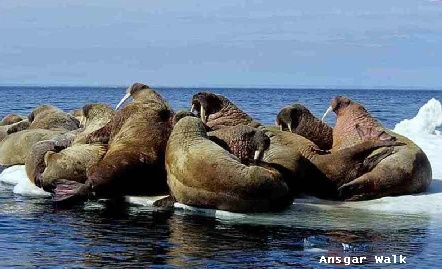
{"points": [[201, 173], [11, 119], [242, 141], [303, 123], [220, 112], [96, 117], [407, 171], [134, 162], [303, 165], [52, 118]]}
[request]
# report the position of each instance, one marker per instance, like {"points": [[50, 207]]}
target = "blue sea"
{"points": [[35, 233]]}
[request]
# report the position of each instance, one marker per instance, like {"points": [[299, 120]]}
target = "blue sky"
{"points": [[345, 44]]}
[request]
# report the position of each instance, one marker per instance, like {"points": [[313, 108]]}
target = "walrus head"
{"points": [[133, 90], [289, 117], [207, 103], [91, 111], [181, 114], [338, 104], [10, 119]]}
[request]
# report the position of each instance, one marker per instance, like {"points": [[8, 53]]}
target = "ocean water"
{"points": [[34, 233]]}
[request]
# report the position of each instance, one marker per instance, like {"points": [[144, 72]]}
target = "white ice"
{"points": [[16, 175]]}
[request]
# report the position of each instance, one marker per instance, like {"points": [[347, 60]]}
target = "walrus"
{"points": [[52, 118], [201, 173], [134, 161], [298, 119], [35, 161], [11, 119], [15, 147], [406, 171], [93, 117], [304, 165], [245, 142], [6, 130], [67, 156]]}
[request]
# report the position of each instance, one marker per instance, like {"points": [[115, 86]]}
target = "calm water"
{"points": [[33, 233]]}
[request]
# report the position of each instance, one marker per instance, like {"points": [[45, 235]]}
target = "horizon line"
{"points": [[297, 87]]}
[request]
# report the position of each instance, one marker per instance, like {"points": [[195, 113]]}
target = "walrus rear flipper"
{"points": [[373, 160], [362, 188], [70, 192], [371, 132]]}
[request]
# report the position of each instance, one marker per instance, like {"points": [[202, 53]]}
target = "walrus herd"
{"points": [[213, 156]]}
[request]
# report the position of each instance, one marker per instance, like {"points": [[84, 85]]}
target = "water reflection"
{"points": [[110, 235]]}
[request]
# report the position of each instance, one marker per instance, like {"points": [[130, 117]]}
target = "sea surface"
{"points": [[36, 234]]}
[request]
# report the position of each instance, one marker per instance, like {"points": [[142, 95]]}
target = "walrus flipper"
{"points": [[373, 160], [373, 133], [68, 191], [167, 201], [17, 127]]}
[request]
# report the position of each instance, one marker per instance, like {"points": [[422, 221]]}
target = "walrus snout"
{"points": [[206, 103]]}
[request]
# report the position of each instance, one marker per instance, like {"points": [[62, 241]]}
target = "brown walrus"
{"points": [[245, 142], [302, 163], [406, 171], [11, 119], [298, 119], [201, 173], [134, 162]]}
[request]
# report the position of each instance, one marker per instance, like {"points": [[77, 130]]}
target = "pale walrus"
{"points": [[134, 162], [5, 130], [201, 173], [406, 171], [298, 119], [45, 122], [52, 118], [67, 157], [15, 147], [93, 117], [305, 167]]}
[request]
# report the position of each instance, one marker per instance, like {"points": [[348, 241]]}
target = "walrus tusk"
{"points": [[192, 108], [258, 155], [290, 127], [203, 115], [127, 95], [326, 113], [280, 127], [82, 121]]}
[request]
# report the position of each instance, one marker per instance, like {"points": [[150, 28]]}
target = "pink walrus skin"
{"points": [[406, 171]]}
